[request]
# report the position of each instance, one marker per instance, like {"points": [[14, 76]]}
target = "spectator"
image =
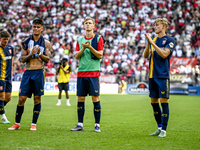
{"points": [[122, 24]]}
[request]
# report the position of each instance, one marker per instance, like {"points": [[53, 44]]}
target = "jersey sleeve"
{"points": [[170, 44], [24, 45], [100, 45], [12, 49], [77, 46]]}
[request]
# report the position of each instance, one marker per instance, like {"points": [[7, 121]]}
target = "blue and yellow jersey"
{"points": [[159, 67], [6, 55]]}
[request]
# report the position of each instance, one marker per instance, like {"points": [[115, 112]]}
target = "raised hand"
{"points": [[38, 49], [33, 51], [149, 39], [86, 44]]}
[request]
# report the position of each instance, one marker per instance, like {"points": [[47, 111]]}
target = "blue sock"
{"points": [[80, 111], [165, 115], [97, 111], [157, 113], [36, 112], [2, 107], [5, 103], [19, 112]]}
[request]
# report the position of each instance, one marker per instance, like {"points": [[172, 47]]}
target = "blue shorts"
{"points": [[159, 88], [88, 85], [32, 83], [6, 86]]}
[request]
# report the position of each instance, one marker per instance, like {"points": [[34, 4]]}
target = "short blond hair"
{"points": [[89, 19], [163, 21]]}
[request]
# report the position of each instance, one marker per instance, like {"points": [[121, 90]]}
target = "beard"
{"points": [[36, 34]]}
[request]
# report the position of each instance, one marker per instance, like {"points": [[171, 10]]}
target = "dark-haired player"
{"points": [[6, 54], [89, 52], [35, 52], [160, 51]]}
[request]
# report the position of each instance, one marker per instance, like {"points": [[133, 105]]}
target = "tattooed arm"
{"points": [[26, 55], [46, 55]]}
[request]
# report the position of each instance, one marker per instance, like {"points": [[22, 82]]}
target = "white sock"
{"points": [[163, 131], [33, 124], [80, 124], [160, 128], [59, 100], [96, 124], [67, 100], [17, 123], [3, 116]]}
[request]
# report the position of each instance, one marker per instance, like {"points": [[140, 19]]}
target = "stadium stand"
{"points": [[121, 22]]}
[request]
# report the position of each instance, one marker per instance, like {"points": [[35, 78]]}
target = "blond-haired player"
{"points": [[160, 51], [89, 51]]}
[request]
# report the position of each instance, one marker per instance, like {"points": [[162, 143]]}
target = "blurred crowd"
{"points": [[122, 23]]}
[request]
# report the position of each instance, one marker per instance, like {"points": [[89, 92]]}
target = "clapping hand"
{"points": [[33, 51], [149, 39], [37, 49], [86, 44]]}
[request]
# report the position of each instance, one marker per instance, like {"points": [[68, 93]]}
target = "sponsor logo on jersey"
{"points": [[7, 57]]}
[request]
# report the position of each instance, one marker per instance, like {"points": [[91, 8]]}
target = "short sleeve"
{"points": [[24, 46], [77, 46], [170, 44], [100, 44], [12, 52]]}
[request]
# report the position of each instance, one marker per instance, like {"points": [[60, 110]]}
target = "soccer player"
{"points": [[160, 51], [6, 54], [35, 52], [89, 51], [63, 73]]}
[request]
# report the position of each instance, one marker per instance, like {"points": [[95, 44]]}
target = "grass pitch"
{"points": [[127, 121]]}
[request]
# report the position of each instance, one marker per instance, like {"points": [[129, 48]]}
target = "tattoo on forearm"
{"points": [[48, 53], [27, 65]]}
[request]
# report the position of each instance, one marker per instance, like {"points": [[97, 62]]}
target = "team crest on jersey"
{"points": [[163, 42], [1, 87], [10, 51], [171, 44]]}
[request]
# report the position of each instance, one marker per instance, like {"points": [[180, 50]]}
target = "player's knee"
{"points": [[37, 99], [2, 95], [154, 100], [163, 100], [22, 100], [2, 98], [81, 99], [7, 100], [95, 98], [8, 97]]}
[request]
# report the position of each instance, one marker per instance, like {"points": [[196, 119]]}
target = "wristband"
{"points": [[39, 53]]}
